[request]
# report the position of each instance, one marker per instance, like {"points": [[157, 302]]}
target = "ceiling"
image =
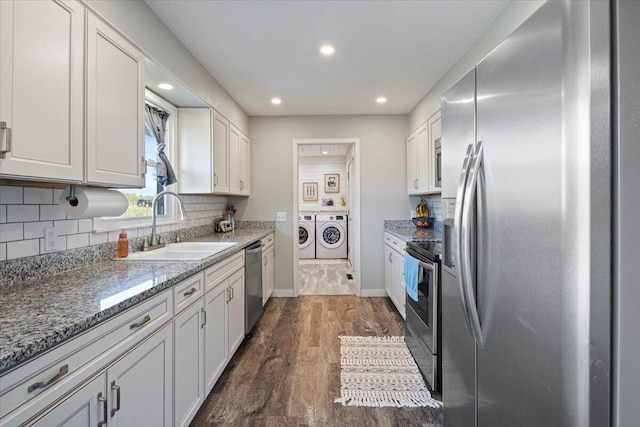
{"points": [[332, 150], [260, 49]]}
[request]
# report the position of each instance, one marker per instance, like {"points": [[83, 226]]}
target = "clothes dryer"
{"points": [[331, 236], [307, 236]]}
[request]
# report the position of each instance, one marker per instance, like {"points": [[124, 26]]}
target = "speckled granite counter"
{"points": [[39, 314], [407, 231]]}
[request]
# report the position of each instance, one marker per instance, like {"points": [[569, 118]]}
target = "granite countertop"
{"points": [[408, 232], [39, 314]]}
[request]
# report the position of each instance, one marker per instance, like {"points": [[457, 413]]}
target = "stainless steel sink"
{"points": [[186, 251]]}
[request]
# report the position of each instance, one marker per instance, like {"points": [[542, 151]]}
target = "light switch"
{"points": [[281, 216]]}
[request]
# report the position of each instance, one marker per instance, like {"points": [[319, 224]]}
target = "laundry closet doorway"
{"points": [[326, 199]]}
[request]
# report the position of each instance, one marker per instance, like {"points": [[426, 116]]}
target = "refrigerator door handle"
{"points": [[458, 232], [468, 231]]}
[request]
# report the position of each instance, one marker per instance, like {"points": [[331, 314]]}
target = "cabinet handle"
{"points": [[241, 184], [228, 295], [265, 260], [204, 317], [117, 390], [190, 292], [144, 167], [64, 370], [105, 409], [415, 183], [390, 258], [146, 319], [215, 179], [232, 293], [7, 146]]}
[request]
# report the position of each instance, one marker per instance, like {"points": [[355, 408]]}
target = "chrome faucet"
{"points": [[183, 216]]}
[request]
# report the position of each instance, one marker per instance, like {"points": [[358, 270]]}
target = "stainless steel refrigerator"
{"points": [[526, 155]]}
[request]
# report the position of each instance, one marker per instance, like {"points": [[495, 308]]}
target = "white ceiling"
{"points": [[259, 49], [332, 150]]}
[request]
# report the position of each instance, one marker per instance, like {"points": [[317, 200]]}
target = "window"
{"points": [[139, 212]]}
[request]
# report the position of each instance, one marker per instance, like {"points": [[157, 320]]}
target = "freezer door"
{"points": [[543, 307]]}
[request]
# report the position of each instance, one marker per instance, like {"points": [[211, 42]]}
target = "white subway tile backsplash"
{"points": [[35, 230], [3, 214], [69, 226], [97, 238], [10, 195], [114, 236], [23, 248], [77, 240], [38, 196], [23, 213], [3, 251], [10, 232], [85, 225], [52, 212]]}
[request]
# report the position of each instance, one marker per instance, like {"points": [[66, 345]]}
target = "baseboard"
{"points": [[282, 293], [373, 293]]}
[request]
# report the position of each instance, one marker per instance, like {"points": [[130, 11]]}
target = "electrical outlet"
{"points": [[281, 216], [50, 236]]}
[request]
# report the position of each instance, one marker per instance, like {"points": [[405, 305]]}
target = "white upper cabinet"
{"points": [[220, 153], [245, 165], [115, 108], [234, 160], [421, 158], [41, 90]]}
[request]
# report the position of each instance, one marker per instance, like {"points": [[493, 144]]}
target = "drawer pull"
{"points": [[105, 409], [117, 389], [190, 292], [146, 319], [64, 370]]}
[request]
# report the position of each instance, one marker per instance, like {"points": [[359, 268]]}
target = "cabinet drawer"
{"points": [[220, 271], [34, 386], [188, 291], [267, 241], [395, 243]]}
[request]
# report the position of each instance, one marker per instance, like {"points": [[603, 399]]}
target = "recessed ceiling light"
{"points": [[165, 86], [325, 152], [381, 100], [327, 50], [276, 101]]}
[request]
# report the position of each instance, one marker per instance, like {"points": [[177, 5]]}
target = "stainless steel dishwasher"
{"points": [[253, 285]]}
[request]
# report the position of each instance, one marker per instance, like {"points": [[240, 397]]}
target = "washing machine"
{"points": [[331, 236], [307, 236]]}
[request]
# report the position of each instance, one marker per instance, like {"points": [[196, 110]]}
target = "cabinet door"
{"points": [[189, 378], [115, 108], [435, 132], [245, 165], [83, 408], [388, 273], [220, 153], [236, 311], [412, 163], [142, 383], [269, 273], [215, 334], [234, 160], [195, 158], [41, 89], [265, 284], [399, 289], [423, 159]]}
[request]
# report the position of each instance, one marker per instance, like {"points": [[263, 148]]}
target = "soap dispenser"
{"points": [[123, 244]]}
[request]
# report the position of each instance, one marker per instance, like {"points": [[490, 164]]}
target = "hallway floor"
{"points": [[287, 372], [326, 277]]}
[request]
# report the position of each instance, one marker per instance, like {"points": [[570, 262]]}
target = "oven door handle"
{"points": [[434, 299], [458, 232]]}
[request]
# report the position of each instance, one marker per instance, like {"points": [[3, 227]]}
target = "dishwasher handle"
{"points": [[256, 248]]}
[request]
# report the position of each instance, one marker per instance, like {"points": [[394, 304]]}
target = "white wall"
{"points": [[313, 169], [138, 22], [514, 14], [382, 180]]}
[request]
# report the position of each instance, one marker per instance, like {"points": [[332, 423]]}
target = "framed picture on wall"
{"points": [[331, 182], [310, 191]]}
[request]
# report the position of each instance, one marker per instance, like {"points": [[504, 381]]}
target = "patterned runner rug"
{"points": [[380, 371]]}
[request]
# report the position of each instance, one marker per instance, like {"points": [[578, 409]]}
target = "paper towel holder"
{"points": [[71, 198]]}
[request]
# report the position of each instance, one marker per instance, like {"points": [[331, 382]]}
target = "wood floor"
{"points": [[287, 373]]}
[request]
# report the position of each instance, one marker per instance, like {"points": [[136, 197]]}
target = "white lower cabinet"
{"points": [[236, 311], [215, 335], [86, 407], [188, 331], [394, 284]]}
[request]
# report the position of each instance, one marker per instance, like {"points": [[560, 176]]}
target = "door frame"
{"points": [[354, 199]]}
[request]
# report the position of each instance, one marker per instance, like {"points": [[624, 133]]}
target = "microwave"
{"points": [[437, 155]]}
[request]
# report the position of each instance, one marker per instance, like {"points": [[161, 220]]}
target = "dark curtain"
{"points": [[156, 121]]}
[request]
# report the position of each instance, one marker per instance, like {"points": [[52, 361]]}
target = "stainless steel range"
{"points": [[423, 331]]}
